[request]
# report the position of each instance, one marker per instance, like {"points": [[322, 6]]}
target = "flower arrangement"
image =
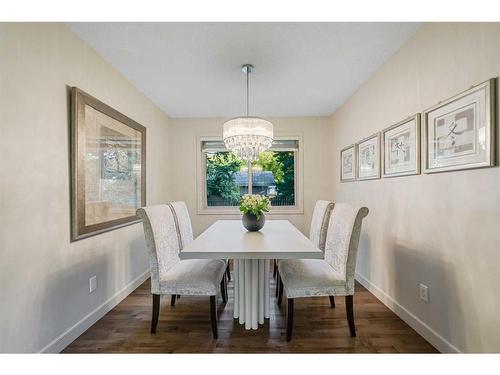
{"points": [[255, 204]]}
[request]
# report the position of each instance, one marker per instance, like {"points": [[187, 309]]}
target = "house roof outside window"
{"points": [[259, 178]]}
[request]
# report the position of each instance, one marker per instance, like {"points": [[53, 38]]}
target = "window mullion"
{"points": [[204, 173], [250, 178]]}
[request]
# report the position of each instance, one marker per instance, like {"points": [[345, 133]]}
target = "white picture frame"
{"points": [[459, 133], [348, 164], [401, 148], [368, 158]]}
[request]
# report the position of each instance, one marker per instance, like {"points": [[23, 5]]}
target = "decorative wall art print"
{"points": [[108, 167], [368, 158], [348, 164], [401, 148], [459, 133]]}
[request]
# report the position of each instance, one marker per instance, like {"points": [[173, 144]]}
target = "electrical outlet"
{"points": [[92, 284], [424, 293]]}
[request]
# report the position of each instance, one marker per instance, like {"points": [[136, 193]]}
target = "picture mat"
{"points": [[348, 166], [112, 168], [368, 158], [459, 133], [402, 148]]}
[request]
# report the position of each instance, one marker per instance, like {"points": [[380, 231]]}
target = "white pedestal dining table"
{"points": [[251, 251]]}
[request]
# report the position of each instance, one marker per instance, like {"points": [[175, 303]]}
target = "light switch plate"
{"points": [[424, 293], [92, 284]]}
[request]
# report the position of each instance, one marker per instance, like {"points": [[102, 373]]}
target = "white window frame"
{"points": [[203, 209]]}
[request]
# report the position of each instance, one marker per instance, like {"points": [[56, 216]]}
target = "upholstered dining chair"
{"points": [[333, 276], [317, 234], [167, 228], [186, 236]]}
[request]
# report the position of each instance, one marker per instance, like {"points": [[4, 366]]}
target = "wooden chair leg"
{"points": [[223, 289], [332, 301], [228, 271], [172, 301], [349, 308], [213, 316], [275, 269], [277, 283], [280, 290], [156, 313], [289, 319]]}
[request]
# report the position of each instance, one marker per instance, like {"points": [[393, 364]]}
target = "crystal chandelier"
{"points": [[247, 136]]}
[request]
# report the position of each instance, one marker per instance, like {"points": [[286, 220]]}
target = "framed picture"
{"points": [[348, 164], [108, 167], [459, 133], [368, 158], [401, 148]]}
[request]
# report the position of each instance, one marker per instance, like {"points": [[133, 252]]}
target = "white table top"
{"points": [[224, 239]]}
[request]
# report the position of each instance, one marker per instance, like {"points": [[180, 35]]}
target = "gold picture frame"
{"points": [[348, 164], [368, 158], [401, 140], [108, 167], [459, 133]]}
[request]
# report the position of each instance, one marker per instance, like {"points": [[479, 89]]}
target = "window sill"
{"points": [[235, 211]]}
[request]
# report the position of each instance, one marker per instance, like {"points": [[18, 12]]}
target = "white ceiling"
{"points": [[193, 69]]}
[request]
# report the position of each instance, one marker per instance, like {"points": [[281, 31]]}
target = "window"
{"points": [[226, 178]]}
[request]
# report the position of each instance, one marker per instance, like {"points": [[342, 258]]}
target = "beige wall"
{"points": [[439, 229], [43, 277], [183, 153]]}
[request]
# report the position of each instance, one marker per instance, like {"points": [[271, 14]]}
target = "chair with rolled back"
{"points": [[332, 276], [167, 228], [317, 233], [186, 237]]}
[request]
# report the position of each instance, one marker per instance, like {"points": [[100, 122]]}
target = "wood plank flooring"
{"points": [[185, 328]]}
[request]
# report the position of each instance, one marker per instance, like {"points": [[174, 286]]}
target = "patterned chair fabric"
{"points": [[184, 222], [335, 274], [167, 228], [319, 223]]}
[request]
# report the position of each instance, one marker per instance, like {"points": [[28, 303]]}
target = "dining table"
{"points": [[251, 252]]}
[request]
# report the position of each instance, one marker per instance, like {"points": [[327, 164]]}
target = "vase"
{"points": [[251, 223]]}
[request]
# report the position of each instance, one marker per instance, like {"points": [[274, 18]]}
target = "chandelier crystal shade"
{"points": [[247, 136]]}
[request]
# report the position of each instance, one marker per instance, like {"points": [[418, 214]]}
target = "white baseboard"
{"points": [[66, 338], [61, 342], [439, 342]]}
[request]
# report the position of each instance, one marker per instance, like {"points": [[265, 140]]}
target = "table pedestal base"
{"points": [[251, 291]]}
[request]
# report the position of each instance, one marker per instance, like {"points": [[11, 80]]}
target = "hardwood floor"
{"points": [[185, 328]]}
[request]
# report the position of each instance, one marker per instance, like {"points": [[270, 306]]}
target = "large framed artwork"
{"points": [[459, 133], [368, 158], [401, 148], [108, 167], [348, 164]]}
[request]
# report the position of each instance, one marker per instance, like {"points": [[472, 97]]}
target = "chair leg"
{"points": [[280, 290], [275, 269], [349, 308], [228, 271], [277, 283], [156, 313], [172, 301], [332, 301], [289, 319], [223, 289], [213, 316]]}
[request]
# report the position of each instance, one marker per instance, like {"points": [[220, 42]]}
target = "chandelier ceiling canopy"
{"points": [[247, 136]]}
